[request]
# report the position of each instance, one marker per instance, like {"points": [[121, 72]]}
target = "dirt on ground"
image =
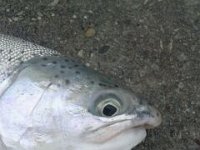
{"points": [[153, 46]]}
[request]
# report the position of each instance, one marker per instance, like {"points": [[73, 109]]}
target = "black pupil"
{"points": [[109, 110]]}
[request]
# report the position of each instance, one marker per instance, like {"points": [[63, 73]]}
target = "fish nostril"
{"points": [[145, 113]]}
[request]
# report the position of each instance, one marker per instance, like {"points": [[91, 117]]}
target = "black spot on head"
{"points": [[10, 59], [56, 76], [70, 67], [77, 72], [22, 52], [54, 62], [66, 60], [43, 65], [21, 62], [67, 81], [76, 65], [92, 82], [62, 66], [62, 71], [44, 58]]}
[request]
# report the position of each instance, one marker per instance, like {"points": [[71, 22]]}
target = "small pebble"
{"points": [[33, 19], [39, 18], [92, 55], [39, 14], [180, 85], [9, 19], [20, 13], [74, 16], [54, 3], [90, 11], [85, 17], [15, 18], [182, 57], [90, 32], [81, 53]]}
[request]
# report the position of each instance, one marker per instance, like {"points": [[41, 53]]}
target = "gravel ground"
{"points": [[153, 46]]}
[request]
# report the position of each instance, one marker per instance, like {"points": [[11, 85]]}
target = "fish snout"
{"points": [[146, 116]]}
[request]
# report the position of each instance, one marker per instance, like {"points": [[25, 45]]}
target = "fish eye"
{"points": [[109, 110], [109, 107]]}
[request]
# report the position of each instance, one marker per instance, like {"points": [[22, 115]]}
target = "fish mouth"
{"points": [[132, 123], [108, 132]]}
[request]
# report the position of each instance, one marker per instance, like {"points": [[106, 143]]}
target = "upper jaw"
{"points": [[147, 116], [141, 118]]}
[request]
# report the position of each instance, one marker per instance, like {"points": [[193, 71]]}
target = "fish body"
{"points": [[50, 102]]}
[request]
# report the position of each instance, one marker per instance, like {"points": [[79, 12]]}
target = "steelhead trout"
{"points": [[50, 102]]}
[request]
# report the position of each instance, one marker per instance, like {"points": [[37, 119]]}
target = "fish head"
{"points": [[56, 103], [115, 119]]}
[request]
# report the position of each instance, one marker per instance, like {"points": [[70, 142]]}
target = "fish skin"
{"points": [[50, 102], [14, 51]]}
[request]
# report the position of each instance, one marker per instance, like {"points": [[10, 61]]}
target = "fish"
{"points": [[49, 101]]}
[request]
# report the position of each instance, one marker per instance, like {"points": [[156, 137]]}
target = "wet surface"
{"points": [[152, 46]]}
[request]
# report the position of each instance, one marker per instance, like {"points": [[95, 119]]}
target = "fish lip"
{"points": [[108, 125], [118, 127], [99, 134], [142, 125]]}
